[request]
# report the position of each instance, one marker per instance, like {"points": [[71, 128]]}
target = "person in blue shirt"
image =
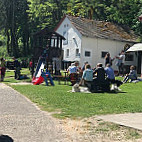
{"points": [[109, 72], [87, 77], [111, 77], [73, 70], [83, 68]]}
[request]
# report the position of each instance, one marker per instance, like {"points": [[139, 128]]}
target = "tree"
{"points": [[138, 24]]}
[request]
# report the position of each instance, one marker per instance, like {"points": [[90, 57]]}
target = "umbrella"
{"points": [[135, 47]]}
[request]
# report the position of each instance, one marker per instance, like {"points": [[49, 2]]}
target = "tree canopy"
{"points": [[21, 18]]}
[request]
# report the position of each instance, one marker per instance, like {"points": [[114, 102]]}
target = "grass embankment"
{"points": [[81, 104]]}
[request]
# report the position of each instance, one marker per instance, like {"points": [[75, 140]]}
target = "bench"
{"points": [[61, 78], [10, 65]]}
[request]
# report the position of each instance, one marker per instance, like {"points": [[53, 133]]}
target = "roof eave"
{"points": [[122, 40]]}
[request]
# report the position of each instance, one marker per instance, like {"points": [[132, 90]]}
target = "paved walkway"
{"points": [[24, 122], [132, 120]]}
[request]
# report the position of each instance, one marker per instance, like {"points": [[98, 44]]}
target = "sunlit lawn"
{"points": [[57, 99]]}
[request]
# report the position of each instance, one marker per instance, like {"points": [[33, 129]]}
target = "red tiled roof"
{"points": [[101, 29]]}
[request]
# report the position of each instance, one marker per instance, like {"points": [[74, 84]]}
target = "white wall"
{"points": [[89, 44], [96, 46], [73, 40]]}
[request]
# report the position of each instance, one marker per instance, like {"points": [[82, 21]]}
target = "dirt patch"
{"points": [[95, 130]]}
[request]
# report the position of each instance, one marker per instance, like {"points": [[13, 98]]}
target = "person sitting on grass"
{"points": [[111, 78], [87, 77], [99, 81], [132, 75], [99, 73]]}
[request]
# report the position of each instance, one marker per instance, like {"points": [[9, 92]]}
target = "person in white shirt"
{"points": [[121, 58]]}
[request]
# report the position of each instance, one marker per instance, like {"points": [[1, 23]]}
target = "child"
{"points": [[132, 75]]}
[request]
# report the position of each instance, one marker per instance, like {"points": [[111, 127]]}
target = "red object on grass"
{"points": [[37, 81]]}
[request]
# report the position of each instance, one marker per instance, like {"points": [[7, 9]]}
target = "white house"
{"points": [[89, 40]]}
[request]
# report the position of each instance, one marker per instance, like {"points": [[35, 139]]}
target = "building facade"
{"points": [[89, 40]]}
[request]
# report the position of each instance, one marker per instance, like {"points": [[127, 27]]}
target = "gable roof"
{"points": [[48, 33], [100, 29]]}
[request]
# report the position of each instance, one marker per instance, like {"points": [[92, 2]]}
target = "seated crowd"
{"points": [[99, 78]]}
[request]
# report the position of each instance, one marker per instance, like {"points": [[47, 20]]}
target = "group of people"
{"points": [[119, 63], [100, 78], [16, 66]]}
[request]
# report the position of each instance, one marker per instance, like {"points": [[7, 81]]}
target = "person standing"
{"points": [[2, 68], [17, 68], [108, 59], [121, 59]]}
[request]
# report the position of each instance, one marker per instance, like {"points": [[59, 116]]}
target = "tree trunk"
{"points": [[8, 40]]}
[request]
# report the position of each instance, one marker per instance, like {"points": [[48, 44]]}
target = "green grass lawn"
{"points": [[57, 99]]}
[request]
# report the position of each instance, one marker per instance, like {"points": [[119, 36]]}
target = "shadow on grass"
{"points": [[116, 92], [9, 76], [111, 92], [5, 81]]}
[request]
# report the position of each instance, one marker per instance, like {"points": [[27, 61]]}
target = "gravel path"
{"points": [[24, 122]]}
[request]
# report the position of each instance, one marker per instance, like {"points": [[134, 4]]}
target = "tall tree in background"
{"points": [[14, 21], [8, 22], [21, 18], [123, 11], [138, 24], [23, 32]]}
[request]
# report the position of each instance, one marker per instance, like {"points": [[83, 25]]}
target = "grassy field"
{"points": [[66, 104]]}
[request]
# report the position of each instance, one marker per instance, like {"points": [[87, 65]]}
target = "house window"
{"points": [[65, 34], [129, 57], [77, 53], [67, 53], [53, 42], [75, 41], [87, 53], [103, 54]]}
